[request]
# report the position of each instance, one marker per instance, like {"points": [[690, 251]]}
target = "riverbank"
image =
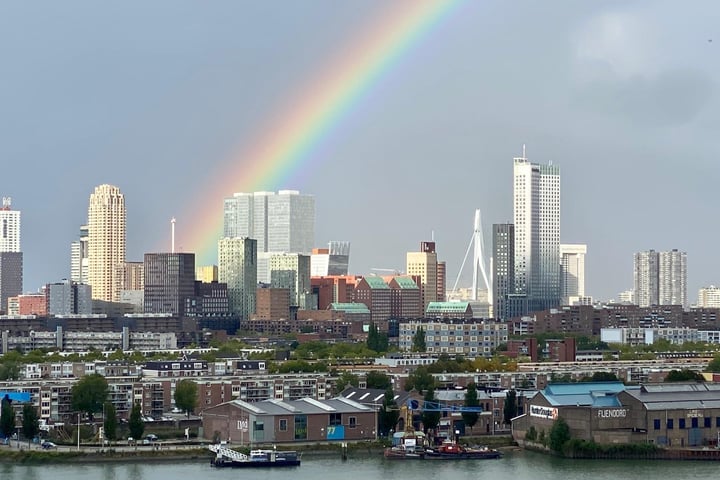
{"points": [[174, 452]]}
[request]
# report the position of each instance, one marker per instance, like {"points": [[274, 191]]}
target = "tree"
{"points": [[110, 422], [377, 380], [135, 424], [559, 434], [430, 418], [7, 417], [510, 406], [89, 394], [601, 377], [714, 365], [471, 400], [9, 370], [186, 396], [377, 340], [684, 376], [30, 422], [419, 341], [346, 378], [420, 379], [389, 413]]}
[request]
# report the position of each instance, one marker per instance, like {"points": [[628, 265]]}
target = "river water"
{"points": [[514, 466]]}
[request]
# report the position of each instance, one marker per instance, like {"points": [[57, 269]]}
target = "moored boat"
{"points": [[450, 450], [226, 457], [408, 445]]}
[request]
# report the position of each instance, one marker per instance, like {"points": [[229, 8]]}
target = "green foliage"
{"points": [[186, 393], [510, 406], [89, 394], [301, 366], [714, 365], [445, 364], [345, 379], [110, 422], [542, 438], [471, 400], [9, 370], [559, 434], [430, 419], [378, 380], [420, 379], [684, 376], [135, 423], [601, 377], [30, 422], [7, 418], [389, 413], [531, 435], [377, 340], [418, 344]]}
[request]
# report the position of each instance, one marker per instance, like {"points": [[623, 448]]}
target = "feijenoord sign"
{"points": [[548, 413]]}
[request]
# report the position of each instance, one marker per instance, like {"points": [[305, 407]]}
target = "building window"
{"points": [[335, 419], [352, 422], [656, 424], [283, 425], [694, 422], [669, 423], [300, 427], [681, 423], [708, 422]]}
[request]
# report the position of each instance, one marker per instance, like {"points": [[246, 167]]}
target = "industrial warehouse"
{"points": [[670, 415]]}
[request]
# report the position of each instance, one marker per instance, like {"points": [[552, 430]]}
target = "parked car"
{"points": [[47, 445], [151, 437]]}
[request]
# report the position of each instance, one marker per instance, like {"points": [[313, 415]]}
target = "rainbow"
{"points": [[275, 156]]}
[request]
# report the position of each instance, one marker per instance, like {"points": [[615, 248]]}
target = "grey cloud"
{"points": [[669, 98]]}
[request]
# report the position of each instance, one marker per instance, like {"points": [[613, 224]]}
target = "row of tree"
{"points": [[89, 395]]}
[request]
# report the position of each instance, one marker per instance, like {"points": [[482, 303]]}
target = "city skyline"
{"points": [[621, 95]]}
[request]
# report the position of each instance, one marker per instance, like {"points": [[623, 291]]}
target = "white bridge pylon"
{"points": [[476, 240]]}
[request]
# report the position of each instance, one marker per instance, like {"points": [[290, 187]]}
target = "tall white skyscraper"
{"points": [[11, 257], [106, 242], [660, 278], [572, 272], [280, 222], [536, 214], [9, 227]]}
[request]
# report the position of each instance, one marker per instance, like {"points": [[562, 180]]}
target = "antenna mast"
{"points": [[172, 235]]}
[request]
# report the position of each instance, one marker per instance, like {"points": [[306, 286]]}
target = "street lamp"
{"points": [[78, 429]]}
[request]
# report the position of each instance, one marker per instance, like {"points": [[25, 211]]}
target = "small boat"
{"points": [[450, 450], [260, 458], [408, 445]]}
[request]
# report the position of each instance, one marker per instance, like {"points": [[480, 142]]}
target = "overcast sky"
{"points": [[152, 96]]}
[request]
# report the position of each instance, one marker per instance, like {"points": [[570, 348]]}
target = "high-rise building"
{"points": [[279, 222], [237, 267], [709, 297], [9, 227], [11, 257], [106, 241], [333, 260], [206, 273], [424, 264], [169, 281], [292, 271], [572, 272], [503, 268], [79, 257], [69, 298], [11, 277], [672, 278], [536, 213], [660, 278]]}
